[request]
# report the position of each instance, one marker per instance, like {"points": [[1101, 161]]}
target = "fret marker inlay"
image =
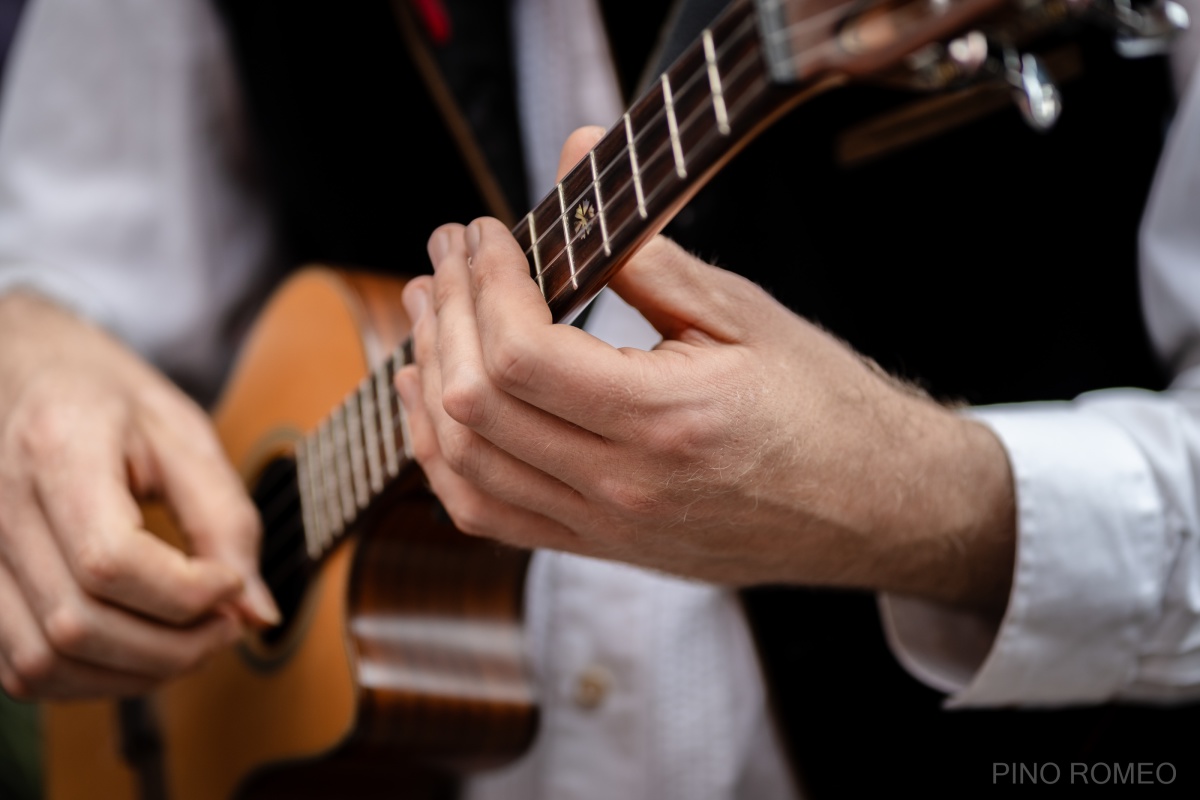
{"points": [[673, 125], [633, 165], [714, 84], [566, 223]]}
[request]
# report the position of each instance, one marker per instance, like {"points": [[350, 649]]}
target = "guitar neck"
{"points": [[700, 111], [712, 100], [755, 62]]}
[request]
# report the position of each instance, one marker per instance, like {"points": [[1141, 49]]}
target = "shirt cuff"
{"points": [[67, 290], [1090, 538]]}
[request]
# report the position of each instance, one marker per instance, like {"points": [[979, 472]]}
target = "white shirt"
{"points": [[119, 133]]}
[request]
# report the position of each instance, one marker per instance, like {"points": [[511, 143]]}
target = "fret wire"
{"points": [[633, 165], [599, 205], [320, 516], [714, 84], [566, 226], [366, 399], [341, 458], [759, 83], [673, 127], [329, 491], [735, 38], [535, 245], [751, 93], [306, 500], [310, 470], [358, 469], [384, 405]]}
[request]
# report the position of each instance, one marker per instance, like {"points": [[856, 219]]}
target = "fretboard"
{"points": [[709, 103]]}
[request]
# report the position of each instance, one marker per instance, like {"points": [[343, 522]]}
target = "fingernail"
{"points": [[415, 300], [473, 235], [439, 245], [263, 604]]}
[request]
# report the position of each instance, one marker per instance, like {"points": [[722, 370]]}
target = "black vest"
{"points": [[988, 263]]}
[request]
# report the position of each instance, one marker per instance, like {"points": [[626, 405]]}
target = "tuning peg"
{"points": [[1034, 92], [1144, 29]]}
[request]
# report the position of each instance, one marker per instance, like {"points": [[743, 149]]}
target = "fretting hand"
{"points": [[748, 447]]}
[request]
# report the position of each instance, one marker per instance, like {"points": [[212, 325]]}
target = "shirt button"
{"points": [[592, 686]]}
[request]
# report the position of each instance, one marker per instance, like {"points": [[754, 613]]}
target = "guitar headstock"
{"points": [[941, 44]]}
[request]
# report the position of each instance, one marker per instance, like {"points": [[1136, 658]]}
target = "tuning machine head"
{"points": [[1142, 29], [976, 58]]}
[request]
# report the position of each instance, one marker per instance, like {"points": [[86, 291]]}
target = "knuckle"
{"points": [[469, 515], [628, 498], [511, 364], [443, 292], [68, 630], [687, 438], [425, 450], [462, 450], [99, 565], [33, 666], [13, 686], [46, 430], [464, 397]]}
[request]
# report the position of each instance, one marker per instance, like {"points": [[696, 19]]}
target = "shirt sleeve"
{"points": [[1105, 600]]}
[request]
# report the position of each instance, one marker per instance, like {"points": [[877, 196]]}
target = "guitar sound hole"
{"points": [[283, 559]]}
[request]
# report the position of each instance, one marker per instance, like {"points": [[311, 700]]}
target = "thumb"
{"points": [[577, 146], [680, 295], [686, 299]]}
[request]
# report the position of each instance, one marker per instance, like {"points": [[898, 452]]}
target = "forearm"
{"points": [[1108, 560]]}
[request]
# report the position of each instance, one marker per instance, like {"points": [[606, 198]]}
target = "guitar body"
{"points": [[400, 662]]}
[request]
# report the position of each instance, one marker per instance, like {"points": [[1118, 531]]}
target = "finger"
{"points": [[82, 494], [577, 146], [559, 369], [472, 510], [31, 668], [469, 455], [77, 626], [212, 506], [468, 398]]}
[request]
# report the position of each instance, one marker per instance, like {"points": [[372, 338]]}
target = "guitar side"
{"points": [[402, 664]]}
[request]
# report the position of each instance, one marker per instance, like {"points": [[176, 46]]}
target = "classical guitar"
{"points": [[399, 662]]}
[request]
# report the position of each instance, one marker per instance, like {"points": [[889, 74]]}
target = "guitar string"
{"points": [[750, 91], [300, 558], [284, 570], [735, 38], [621, 156]]}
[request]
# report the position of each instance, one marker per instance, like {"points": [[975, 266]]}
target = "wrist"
{"points": [[957, 530]]}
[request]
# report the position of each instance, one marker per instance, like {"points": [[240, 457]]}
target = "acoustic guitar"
{"points": [[399, 663]]}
